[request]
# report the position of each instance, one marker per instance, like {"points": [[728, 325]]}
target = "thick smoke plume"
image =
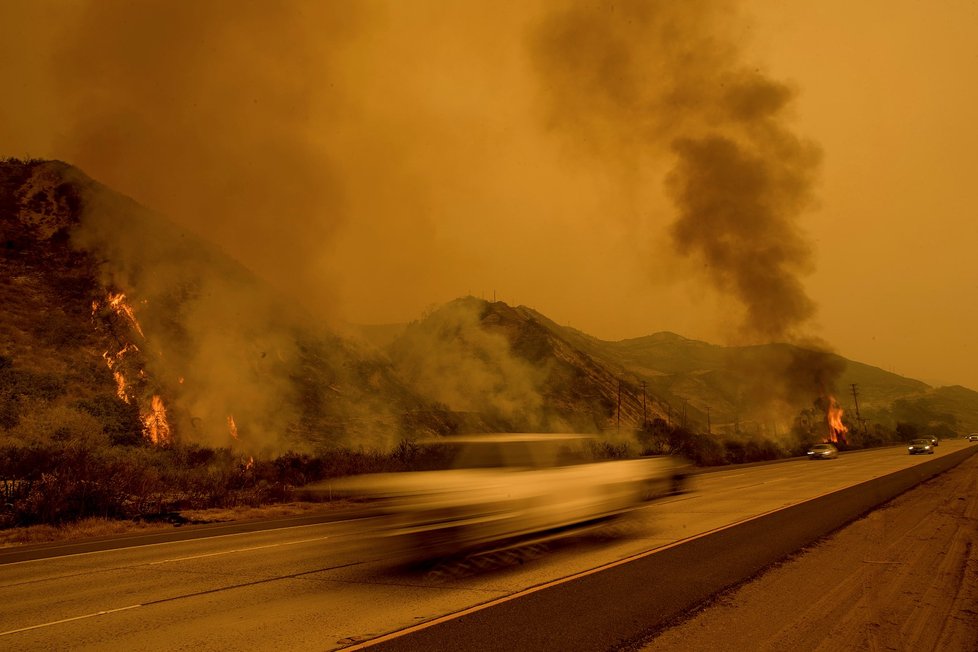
{"points": [[637, 82], [633, 83]]}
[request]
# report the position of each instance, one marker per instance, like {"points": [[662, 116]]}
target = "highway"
{"points": [[311, 587]]}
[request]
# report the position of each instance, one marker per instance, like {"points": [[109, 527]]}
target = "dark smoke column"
{"points": [[634, 83], [736, 206]]}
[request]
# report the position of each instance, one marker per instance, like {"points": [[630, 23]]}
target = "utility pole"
{"points": [[855, 399], [684, 413], [618, 426], [645, 414], [708, 425]]}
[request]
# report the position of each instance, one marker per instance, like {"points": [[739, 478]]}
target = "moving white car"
{"points": [[502, 488]]}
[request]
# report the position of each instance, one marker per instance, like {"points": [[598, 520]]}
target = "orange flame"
{"points": [[833, 416], [112, 361], [232, 427], [156, 428], [250, 463], [122, 308], [120, 386]]}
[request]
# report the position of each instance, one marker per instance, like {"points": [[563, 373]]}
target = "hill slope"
{"points": [[118, 324], [530, 373]]}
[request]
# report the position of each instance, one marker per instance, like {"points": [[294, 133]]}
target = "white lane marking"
{"points": [[134, 606], [68, 620], [167, 543], [228, 552]]}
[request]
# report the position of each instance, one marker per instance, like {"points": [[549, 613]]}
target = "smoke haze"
{"points": [[203, 111], [337, 147], [467, 368], [370, 159]]}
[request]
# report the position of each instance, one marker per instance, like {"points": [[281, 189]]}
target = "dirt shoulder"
{"points": [[904, 577]]}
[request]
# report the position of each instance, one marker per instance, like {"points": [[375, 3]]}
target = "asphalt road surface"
{"points": [[314, 587]]}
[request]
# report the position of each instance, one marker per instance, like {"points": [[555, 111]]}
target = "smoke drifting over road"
{"points": [[639, 81]]}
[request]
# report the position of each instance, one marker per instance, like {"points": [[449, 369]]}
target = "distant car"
{"points": [[921, 446], [973, 436], [934, 440], [823, 452]]}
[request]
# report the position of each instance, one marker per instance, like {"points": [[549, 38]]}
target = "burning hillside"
{"points": [[119, 325], [110, 300]]}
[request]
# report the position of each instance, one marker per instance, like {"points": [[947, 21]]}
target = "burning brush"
{"points": [[125, 365], [833, 419]]}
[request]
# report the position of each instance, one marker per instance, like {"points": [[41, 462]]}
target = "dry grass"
{"points": [[89, 527], [218, 515], [100, 527]]}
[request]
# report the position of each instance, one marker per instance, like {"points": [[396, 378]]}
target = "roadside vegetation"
{"points": [[711, 449], [57, 482], [54, 482]]}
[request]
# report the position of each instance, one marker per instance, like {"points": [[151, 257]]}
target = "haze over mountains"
{"points": [[117, 324]]}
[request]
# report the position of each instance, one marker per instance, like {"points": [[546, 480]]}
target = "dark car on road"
{"points": [[921, 446], [973, 436]]}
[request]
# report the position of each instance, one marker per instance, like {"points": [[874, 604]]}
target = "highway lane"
{"points": [[312, 586]]}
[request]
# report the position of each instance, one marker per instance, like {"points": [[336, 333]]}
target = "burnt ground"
{"points": [[904, 577]]}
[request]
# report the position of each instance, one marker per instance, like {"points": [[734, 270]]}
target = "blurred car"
{"points": [[921, 447], [934, 441], [823, 452], [973, 436], [502, 488]]}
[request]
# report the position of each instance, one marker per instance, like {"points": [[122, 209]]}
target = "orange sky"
{"points": [[386, 156]]}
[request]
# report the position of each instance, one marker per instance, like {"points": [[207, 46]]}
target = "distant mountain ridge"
{"points": [[706, 381]]}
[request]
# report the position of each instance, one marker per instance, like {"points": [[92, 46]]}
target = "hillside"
{"points": [[119, 326], [536, 374]]}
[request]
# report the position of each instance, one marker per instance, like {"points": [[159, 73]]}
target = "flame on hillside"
{"points": [[122, 308], [232, 427], [833, 417], [156, 427], [114, 363]]}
